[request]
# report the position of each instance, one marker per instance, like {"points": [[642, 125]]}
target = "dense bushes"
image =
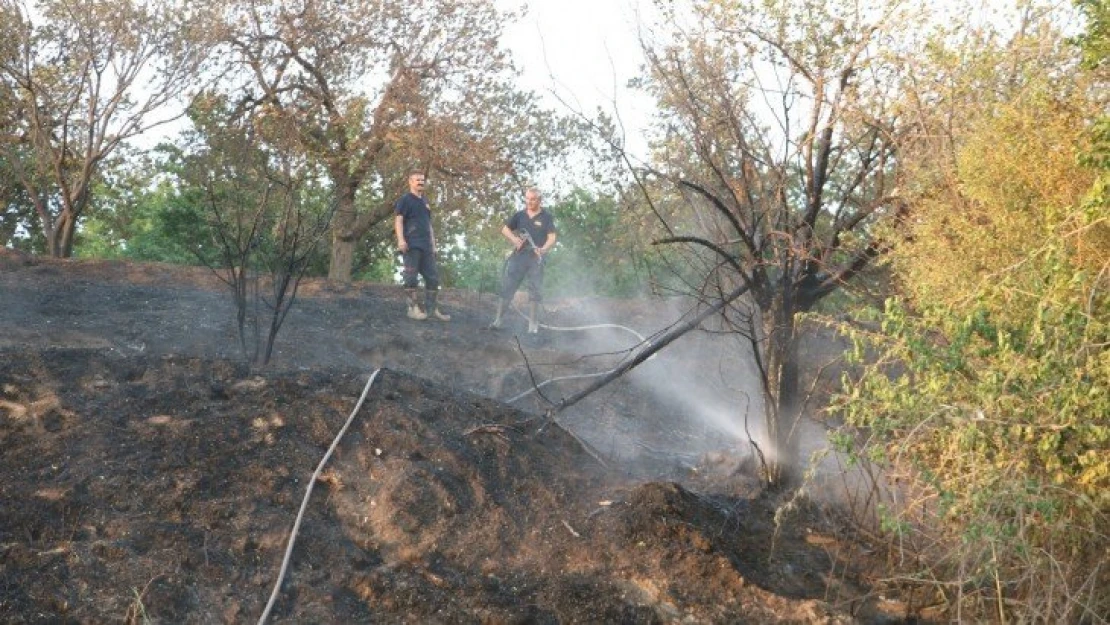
{"points": [[986, 393]]}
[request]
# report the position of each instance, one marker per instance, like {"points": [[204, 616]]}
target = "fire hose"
{"points": [[524, 234]]}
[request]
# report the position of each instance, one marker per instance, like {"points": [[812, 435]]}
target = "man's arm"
{"points": [[548, 244], [511, 236], [399, 229]]}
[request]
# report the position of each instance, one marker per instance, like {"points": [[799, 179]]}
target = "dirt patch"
{"points": [[149, 476]]}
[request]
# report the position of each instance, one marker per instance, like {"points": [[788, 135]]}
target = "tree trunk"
{"points": [[343, 235], [789, 408], [783, 402], [51, 235], [67, 228], [59, 235], [47, 222], [342, 259]]}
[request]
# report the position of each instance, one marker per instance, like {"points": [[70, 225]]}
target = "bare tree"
{"points": [[83, 77], [373, 88], [778, 148], [260, 215]]}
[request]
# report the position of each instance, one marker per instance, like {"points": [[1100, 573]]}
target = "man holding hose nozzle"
{"points": [[532, 234]]}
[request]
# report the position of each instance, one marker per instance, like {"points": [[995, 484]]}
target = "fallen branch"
{"points": [[496, 429], [649, 350]]}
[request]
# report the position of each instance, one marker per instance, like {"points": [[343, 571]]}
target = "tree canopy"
{"points": [[81, 78], [778, 136], [373, 89]]}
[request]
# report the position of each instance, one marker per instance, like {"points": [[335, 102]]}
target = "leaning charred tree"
{"points": [[777, 162]]}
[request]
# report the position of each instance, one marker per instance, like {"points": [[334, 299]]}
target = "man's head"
{"points": [[532, 199], [416, 183]]}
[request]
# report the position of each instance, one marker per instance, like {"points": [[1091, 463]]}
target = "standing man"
{"points": [[412, 224], [532, 234]]}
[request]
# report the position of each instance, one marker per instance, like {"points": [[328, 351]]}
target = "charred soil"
{"points": [[149, 476]]}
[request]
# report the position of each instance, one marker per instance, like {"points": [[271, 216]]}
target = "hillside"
{"points": [[148, 476]]}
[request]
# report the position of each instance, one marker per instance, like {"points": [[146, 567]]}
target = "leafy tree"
{"points": [[371, 89], [777, 151], [73, 74], [989, 399]]}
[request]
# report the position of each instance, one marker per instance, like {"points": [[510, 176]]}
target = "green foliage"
{"points": [[375, 261], [18, 225], [172, 229], [990, 396], [1095, 41], [1005, 421], [141, 214], [597, 254], [987, 386], [476, 266]]}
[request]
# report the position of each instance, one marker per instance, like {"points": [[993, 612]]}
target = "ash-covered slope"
{"points": [[164, 489], [148, 476]]}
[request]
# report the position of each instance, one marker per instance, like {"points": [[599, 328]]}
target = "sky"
{"points": [[581, 53], [574, 53]]}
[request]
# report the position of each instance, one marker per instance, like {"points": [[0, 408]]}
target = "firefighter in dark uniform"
{"points": [[412, 223], [532, 234]]}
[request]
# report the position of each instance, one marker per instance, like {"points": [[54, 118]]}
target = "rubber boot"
{"points": [[430, 306], [497, 319], [533, 319], [414, 306]]}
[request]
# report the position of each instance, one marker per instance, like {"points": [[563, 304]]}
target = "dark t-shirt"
{"points": [[539, 226], [417, 224]]}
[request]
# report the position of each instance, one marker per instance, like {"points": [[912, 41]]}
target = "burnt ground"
{"points": [[148, 475]]}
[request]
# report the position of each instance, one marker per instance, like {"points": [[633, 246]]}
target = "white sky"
{"points": [[584, 52]]}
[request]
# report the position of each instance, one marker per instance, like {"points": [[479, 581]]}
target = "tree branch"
{"points": [[649, 350]]}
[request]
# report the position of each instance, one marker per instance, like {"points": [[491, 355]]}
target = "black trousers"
{"points": [[523, 265], [420, 262]]}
